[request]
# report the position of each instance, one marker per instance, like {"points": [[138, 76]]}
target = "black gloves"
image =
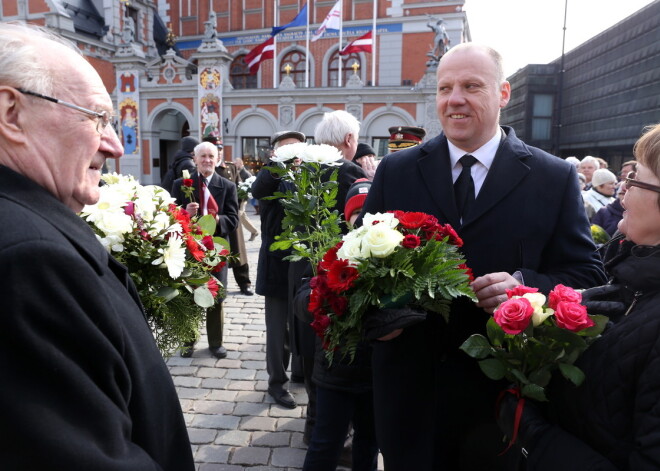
{"points": [[532, 424], [605, 300], [380, 322]]}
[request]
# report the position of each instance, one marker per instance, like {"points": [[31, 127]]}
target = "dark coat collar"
{"points": [[508, 169], [25, 192]]}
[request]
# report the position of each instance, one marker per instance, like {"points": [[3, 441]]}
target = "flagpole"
{"points": [[275, 22], [374, 46], [341, 30], [307, 49]]}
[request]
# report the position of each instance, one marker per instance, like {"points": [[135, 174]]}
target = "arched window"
{"points": [[239, 74], [294, 62], [346, 65]]}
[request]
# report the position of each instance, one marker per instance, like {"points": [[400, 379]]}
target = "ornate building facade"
{"points": [[176, 68]]}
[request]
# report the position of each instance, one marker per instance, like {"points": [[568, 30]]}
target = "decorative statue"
{"points": [[128, 33], [441, 40], [209, 26]]}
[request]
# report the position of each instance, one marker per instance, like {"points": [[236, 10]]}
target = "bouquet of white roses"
{"points": [[169, 256], [245, 188], [394, 259]]}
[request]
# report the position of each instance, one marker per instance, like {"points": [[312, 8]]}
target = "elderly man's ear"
{"points": [[12, 115]]}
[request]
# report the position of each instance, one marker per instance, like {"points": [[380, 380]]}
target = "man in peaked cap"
{"points": [[404, 137]]}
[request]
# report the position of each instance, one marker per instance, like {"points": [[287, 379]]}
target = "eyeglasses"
{"points": [[102, 117], [630, 181]]}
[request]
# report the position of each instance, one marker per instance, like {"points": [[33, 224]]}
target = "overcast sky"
{"points": [[530, 31]]}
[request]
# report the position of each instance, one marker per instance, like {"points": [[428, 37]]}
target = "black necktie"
{"points": [[464, 186]]}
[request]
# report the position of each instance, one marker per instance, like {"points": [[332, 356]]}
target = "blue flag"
{"points": [[299, 20]]}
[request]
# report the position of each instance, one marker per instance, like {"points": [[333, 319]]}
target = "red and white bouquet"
{"points": [[395, 259], [528, 339], [169, 256]]}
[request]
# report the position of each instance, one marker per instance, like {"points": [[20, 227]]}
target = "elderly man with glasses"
{"points": [[84, 385]]}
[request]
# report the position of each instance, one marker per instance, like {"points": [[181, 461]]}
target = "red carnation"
{"points": [[411, 241], [329, 257], [315, 302], [320, 324], [454, 239], [520, 290], [212, 284], [411, 220], [468, 271], [338, 304], [341, 276], [207, 241], [194, 249]]}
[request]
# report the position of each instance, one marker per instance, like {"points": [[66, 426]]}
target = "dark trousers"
{"points": [[242, 275], [277, 341], [335, 410], [215, 316]]}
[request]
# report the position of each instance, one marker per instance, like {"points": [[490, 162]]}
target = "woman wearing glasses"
{"points": [[612, 421]]}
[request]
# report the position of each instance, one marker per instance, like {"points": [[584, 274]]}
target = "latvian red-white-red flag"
{"points": [[363, 43], [265, 50]]}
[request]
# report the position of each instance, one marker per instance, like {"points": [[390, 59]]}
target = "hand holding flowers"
{"points": [[528, 339]]}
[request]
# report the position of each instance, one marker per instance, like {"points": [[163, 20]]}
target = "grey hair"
{"points": [[21, 59], [496, 56], [334, 127], [206, 146], [591, 159]]}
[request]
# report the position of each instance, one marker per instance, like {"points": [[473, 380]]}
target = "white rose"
{"points": [[385, 218], [537, 300], [185, 173], [380, 240], [351, 250], [538, 318]]}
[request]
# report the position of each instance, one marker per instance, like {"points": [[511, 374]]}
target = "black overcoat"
{"points": [[83, 383]]}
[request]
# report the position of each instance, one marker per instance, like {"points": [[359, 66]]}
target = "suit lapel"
{"points": [[506, 173], [435, 168]]}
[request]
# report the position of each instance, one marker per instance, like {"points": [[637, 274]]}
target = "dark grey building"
{"points": [[609, 92]]}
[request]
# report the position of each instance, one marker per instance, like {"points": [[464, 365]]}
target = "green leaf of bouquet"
{"points": [[493, 368], [476, 346], [494, 332], [203, 297], [601, 323], [221, 241], [280, 245], [167, 293], [534, 391], [572, 373], [207, 224], [541, 377]]}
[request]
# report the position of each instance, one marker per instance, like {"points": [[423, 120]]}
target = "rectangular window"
{"points": [[380, 146], [542, 117], [256, 151]]}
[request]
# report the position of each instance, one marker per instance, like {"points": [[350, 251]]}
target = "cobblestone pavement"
{"points": [[232, 422]]}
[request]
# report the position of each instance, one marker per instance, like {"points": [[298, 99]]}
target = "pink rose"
{"points": [[563, 293], [520, 290], [572, 316], [514, 315]]}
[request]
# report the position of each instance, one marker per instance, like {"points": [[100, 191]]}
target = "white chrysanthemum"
{"points": [[160, 223], [288, 152], [385, 218], [173, 256], [322, 154], [112, 243], [380, 240]]}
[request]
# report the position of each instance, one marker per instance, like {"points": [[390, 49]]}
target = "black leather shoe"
{"points": [[283, 398], [187, 349], [218, 352], [246, 291]]}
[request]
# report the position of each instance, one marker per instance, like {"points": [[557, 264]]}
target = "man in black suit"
{"points": [[83, 383], [222, 202], [522, 221]]}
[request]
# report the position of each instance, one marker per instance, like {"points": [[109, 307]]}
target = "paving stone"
{"points": [[258, 423], [254, 365], [183, 370], [294, 425], [214, 407], [241, 373], [187, 381], [250, 456], [241, 386], [206, 372], [291, 457], [233, 437], [251, 408], [192, 393], [248, 396], [221, 467], [214, 384], [201, 435], [213, 453], [226, 422], [222, 395], [271, 439]]}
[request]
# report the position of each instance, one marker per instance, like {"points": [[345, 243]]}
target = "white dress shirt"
{"points": [[484, 155]]}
